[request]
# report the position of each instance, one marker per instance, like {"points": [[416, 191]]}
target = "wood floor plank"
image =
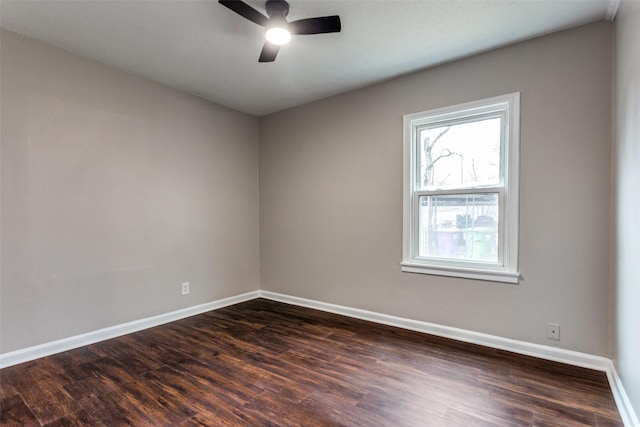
{"points": [[329, 408], [50, 406], [81, 418], [427, 408], [189, 391], [263, 363], [14, 412], [6, 389]]}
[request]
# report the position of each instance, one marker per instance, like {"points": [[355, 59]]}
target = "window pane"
{"points": [[461, 226], [460, 155]]}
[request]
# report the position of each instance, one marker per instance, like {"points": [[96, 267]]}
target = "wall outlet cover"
{"points": [[553, 331]]}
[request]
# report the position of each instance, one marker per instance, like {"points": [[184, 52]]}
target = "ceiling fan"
{"points": [[279, 31]]}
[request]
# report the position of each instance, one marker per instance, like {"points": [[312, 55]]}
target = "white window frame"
{"points": [[506, 269]]}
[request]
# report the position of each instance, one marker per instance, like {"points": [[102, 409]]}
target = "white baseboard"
{"points": [[629, 416], [521, 347], [58, 346]]}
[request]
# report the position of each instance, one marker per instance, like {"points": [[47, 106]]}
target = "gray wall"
{"points": [[626, 314], [331, 194], [114, 191]]}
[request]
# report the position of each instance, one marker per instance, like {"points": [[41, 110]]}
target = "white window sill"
{"points": [[466, 273]]}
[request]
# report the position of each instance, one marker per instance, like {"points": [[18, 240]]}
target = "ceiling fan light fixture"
{"points": [[278, 29], [277, 35]]}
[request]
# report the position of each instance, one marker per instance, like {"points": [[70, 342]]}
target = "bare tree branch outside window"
{"points": [[429, 147]]}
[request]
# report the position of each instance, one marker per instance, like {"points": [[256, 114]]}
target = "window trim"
{"points": [[508, 191]]}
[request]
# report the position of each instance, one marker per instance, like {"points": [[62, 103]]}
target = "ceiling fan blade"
{"points": [[269, 52], [246, 11], [319, 25]]}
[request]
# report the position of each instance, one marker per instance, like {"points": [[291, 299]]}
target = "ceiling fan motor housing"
{"points": [[277, 9]]}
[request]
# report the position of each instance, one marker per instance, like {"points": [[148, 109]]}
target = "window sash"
{"points": [[415, 235], [459, 119]]}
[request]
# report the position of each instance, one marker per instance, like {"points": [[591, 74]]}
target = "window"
{"points": [[461, 190]]}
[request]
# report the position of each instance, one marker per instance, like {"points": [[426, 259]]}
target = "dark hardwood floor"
{"points": [[264, 363]]}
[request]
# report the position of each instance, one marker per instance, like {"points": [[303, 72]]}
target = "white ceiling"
{"points": [[205, 49]]}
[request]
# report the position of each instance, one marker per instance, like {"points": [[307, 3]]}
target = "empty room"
{"points": [[320, 213]]}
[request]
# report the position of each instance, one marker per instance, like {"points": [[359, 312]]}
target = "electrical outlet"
{"points": [[553, 331], [185, 288]]}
